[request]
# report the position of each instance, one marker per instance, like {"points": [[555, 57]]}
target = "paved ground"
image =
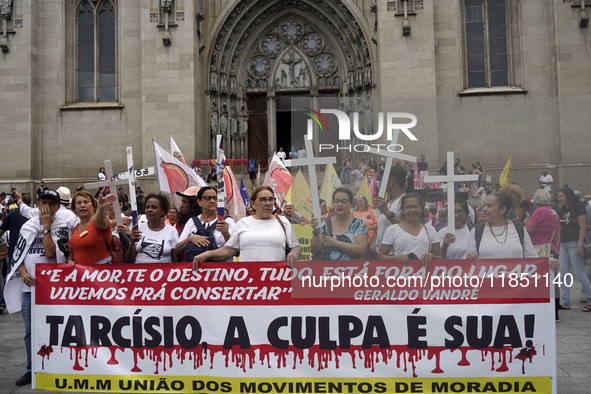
{"points": [[573, 334]]}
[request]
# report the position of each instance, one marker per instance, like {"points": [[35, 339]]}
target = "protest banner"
{"points": [[232, 327]]}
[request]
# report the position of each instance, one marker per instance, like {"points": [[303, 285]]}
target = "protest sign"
{"points": [[234, 327]]}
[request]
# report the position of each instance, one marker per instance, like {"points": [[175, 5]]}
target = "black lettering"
{"points": [[473, 387], [528, 386], [54, 322], [439, 387], [116, 332], [212, 386], [61, 385], [298, 341], [416, 387], [198, 385], [273, 332], [513, 338], [472, 331], [155, 337], [335, 387], [81, 384], [136, 331], [302, 387], [320, 387], [414, 332], [127, 386], [248, 387], [457, 387], [100, 326], [181, 332], [324, 341], [458, 337], [103, 384], [349, 327], [364, 387], [375, 323], [237, 324], [265, 387], [401, 387], [380, 387], [226, 387], [74, 332], [168, 334]]}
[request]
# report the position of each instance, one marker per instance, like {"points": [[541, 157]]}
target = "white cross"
{"points": [[110, 184], [131, 182], [311, 162], [451, 192], [390, 156]]}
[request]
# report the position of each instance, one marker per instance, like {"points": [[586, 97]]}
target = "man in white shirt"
{"points": [[281, 154], [546, 181]]}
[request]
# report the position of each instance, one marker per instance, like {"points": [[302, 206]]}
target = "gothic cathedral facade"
{"points": [[82, 79]]}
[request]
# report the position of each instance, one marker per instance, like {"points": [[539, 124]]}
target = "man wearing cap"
{"points": [[38, 242], [41, 189]]}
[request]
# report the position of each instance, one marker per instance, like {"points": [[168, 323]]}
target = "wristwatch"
{"points": [[46, 231]]}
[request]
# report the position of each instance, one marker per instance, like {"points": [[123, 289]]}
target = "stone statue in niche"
{"points": [[223, 84], [5, 8], [224, 120], [243, 122], [303, 79], [213, 127], [213, 78], [233, 122]]}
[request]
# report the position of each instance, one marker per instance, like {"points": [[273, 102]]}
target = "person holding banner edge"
{"points": [[157, 239], [410, 239], [455, 246], [342, 236], [260, 237], [207, 200]]}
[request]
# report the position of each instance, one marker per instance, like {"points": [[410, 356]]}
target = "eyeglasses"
{"points": [[267, 200], [208, 198], [341, 202]]}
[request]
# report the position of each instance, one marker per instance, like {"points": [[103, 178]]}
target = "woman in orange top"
{"points": [[366, 213], [90, 240]]}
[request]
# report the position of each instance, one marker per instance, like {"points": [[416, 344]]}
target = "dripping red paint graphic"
{"points": [[317, 358]]}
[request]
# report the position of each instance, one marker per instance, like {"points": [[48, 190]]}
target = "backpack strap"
{"points": [[520, 231], [287, 248], [478, 231]]}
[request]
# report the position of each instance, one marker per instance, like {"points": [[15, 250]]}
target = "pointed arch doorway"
{"points": [[273, 58]]}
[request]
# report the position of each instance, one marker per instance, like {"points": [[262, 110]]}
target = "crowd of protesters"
{"points": [[504, 223]]}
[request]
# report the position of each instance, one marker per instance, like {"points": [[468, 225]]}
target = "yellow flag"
{"points": [[301, 197], [506, 174], [330, 183], [364, 191]]}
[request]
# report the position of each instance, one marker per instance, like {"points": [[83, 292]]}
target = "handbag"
{"points": [[324, 255], [545, 249]]}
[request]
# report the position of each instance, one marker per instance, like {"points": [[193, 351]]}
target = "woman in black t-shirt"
{"points": [[573, 218]]}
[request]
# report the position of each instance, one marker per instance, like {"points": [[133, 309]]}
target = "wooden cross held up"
{"points": [[311, 162], [449, 179], [110, 183]]}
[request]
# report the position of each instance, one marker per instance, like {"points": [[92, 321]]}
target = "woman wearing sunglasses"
{"points": [[259, 237]]}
